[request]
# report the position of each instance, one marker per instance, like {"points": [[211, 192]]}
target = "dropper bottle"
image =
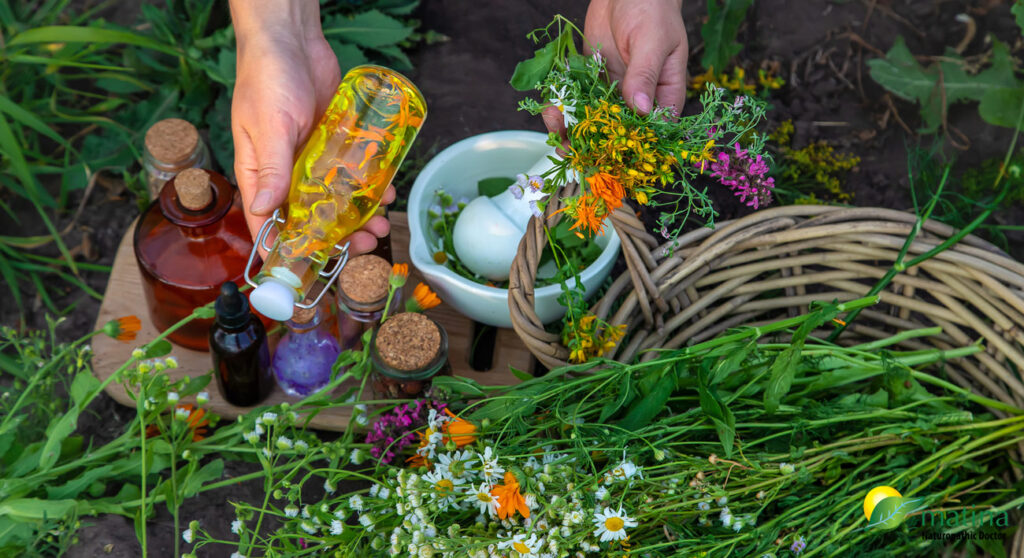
{"points": [[238, 343], [337, 183]]}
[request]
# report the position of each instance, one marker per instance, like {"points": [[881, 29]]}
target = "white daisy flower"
{"points": [[181, 413], [786, 468], [356, 503], [172, 397], [490, 470], [611, 524], [601, 493], [268, 418], [301, 446], [329, 487], [567, 109], [624, 471], [723, 500], [236, 555], [725, 517], [703, 506], [481, 497], [526, 547], [187, 535], [203, 397], [443, 486], [457, 464], [308, 527], [291, 511], [575, 517], [283, 443], [237, 526]]}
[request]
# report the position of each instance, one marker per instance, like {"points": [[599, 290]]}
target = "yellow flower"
{"points": [[641, 197]]}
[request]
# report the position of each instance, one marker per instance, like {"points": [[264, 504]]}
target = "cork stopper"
{"points": [[408, 341], [304, 315], [194, 189], [172, 141], [365, 278]]}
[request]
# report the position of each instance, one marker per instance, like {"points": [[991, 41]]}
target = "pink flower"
{"points": [[745, 176]]}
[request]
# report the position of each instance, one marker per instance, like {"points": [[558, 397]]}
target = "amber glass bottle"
{"points": [[238, 343], [187, 244]]}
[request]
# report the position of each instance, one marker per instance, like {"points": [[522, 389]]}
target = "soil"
{"points": [[821, 48]]}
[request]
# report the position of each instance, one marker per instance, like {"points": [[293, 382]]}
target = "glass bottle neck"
{"points": [[305, 327]]}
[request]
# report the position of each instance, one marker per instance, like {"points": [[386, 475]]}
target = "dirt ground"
{"points": [[821, 48]]}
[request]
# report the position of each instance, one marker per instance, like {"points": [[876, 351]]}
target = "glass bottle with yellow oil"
{"points": [[337, 183]]}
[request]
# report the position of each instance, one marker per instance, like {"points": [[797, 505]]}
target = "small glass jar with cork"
{"points": [[171, 146], [362, 296], [407, 350]]}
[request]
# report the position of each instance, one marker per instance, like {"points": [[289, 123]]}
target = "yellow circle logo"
{"points": [[876, 495]]}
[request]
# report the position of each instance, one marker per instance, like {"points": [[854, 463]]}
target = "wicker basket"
{"points": [[772, 264]]}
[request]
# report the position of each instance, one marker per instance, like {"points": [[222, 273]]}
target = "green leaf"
{"points": [[397, 58], [29, 119], [158, 349], [624, 396], [76, 486], [718, 412], [529, 73], [92, 35], [210, 472], [58, 430], [719, 32], [522, 375], [938, 86], [34, 508], [491, 187], [890, 512], [1018, 13], [644, 410], [349, 56], [368, 29], [784, 368], [459, 385], [1000, 106], [83, 386]]}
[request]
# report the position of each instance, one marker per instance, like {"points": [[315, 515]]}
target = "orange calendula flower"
{"points": [[196, 422], [399, 273], [606, 187], [509, 499], [458, 430], [124, 328], [422, 299]]}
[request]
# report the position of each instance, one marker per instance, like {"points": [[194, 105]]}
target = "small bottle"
{"points": [[171, 146], [187, 244], [362, 294], [238, 343], [305, 355], [338, 180], [407, 350]]}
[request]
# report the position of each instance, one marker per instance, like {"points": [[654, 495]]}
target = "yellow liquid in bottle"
{"points": [[343, 170]]}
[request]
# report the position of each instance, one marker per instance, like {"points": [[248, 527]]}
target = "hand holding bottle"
{"points": [[286, 76]]}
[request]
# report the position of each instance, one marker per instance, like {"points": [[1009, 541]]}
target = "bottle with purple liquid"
{"points": [[304, 356]]}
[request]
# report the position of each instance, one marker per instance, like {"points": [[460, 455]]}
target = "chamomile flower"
{"points": [[187, 535], [291, 511], [329, 487], [490, 470], [337, 527], [457, 464], [481, 498], [356, 503], [611, 524], [575, 517], [443, 486], [624, 471], [564, 106], [308, 527], [526, 547], [237, 526]]}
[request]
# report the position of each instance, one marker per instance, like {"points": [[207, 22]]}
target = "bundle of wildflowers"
{"points": [[618, 155]]}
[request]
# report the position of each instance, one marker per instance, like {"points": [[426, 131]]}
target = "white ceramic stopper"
{"points": [[274, 300], [488, 230]]}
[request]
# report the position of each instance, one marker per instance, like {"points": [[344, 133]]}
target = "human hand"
{"points": [[286, 76], [645, 48]]}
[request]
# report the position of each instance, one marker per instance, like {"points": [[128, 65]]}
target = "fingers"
{"points": [[553, 120], [389, 195], [671, 88], [643, 73], [275, 154], [365, 239]]}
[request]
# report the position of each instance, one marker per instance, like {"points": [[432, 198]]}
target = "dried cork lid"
{"points": [[172, 140], [304, 315], [408, 341], [193, 188], [365, 278]]}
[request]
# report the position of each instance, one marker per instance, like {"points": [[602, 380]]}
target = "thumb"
{"points": [[274, 159], [641, 79]]}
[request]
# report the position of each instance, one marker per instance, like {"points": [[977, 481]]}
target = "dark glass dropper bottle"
{"points": [[238, 343]]}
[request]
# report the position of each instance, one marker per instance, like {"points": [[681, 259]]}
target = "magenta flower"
{"points": [[395, 430], [745, 175]]}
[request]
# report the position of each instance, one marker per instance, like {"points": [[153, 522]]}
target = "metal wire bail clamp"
{"points": [[261, 241]]}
